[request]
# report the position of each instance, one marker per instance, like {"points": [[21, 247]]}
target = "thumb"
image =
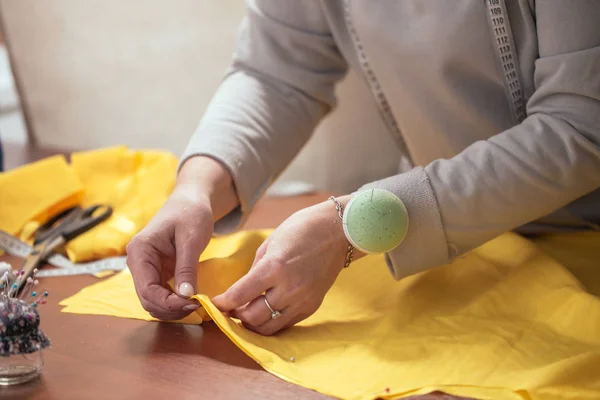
{"points": [[189, 244]]}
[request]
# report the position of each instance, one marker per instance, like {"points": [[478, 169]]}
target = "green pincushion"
{"points": [[375, 221]]}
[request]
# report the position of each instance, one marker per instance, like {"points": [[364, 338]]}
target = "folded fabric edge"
{"points": [[456, 390], [219, 318]]}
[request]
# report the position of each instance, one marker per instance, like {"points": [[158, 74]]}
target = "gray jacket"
{"points": [[495, 104]]}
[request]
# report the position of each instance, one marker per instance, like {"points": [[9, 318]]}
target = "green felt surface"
{"points": [[375, 221]]}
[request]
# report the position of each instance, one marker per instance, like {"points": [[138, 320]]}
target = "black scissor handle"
{"points": [[86, 220], [54, 224]]}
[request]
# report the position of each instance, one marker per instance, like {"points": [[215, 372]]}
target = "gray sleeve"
{"points": [[280, 85], [524, 173]]}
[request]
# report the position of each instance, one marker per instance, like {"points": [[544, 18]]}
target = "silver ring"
{"points": [[274, 313]]}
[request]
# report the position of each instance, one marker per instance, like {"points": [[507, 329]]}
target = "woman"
{"points": [[496, 105]]}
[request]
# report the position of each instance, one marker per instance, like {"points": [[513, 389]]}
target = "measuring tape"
{"points": [[17, 248], [92, 268], [505, 47]]}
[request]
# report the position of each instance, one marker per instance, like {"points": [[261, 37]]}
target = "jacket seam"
{"points": [[451, 248], [382, 103]]}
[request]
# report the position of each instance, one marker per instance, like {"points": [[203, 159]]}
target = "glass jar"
{"points": [[20, 368], [21, 340]]}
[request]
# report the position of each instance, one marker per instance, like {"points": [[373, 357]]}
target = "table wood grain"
{"points": [[100, 357]]}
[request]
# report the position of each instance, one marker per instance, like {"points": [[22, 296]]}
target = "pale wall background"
{"points": [[98, 73]]}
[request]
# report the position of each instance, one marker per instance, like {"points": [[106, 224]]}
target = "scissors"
{"points": [[56, 232]]}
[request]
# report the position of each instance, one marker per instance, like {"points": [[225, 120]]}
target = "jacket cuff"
{"points": [[250, 177], [425, 245]]}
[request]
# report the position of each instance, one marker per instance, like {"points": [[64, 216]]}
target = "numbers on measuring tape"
{"points": [[506, 51], [502, 39]]}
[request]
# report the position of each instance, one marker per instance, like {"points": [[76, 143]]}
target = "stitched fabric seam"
{"points": [[381, 100]]}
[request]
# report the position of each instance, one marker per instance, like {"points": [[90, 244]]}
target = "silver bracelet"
{"points": [[340, 211]]}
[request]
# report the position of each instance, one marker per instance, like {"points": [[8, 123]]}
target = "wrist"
{"points": [[211, 181], [336, 225]]}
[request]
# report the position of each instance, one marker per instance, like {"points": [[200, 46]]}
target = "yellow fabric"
{"points": [[507, 321], [134, 183], [580, 253], [32, 193]]}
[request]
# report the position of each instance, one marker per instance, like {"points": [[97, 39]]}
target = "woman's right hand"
{"points": [[171, 244]]}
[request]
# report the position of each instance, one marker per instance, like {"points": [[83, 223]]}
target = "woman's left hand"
{"points": [[294, 269]]}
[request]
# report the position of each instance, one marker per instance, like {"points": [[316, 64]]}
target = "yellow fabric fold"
{"points": [[135, 183], [506, 321], [34, 192]]}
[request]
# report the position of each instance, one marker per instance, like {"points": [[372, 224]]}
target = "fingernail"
{"points": [[191, 307], [186, 289]]}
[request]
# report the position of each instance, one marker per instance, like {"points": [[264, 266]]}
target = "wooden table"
{"points": [[17, 154], [99, 357]]}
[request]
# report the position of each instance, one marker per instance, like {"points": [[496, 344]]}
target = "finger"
{"points": [[189, 243], [256, 312], [164, 314], [260, 252], [288, 319], [246, 289], [164, 299], [272, 326], [167, 316], [144, 265]]}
